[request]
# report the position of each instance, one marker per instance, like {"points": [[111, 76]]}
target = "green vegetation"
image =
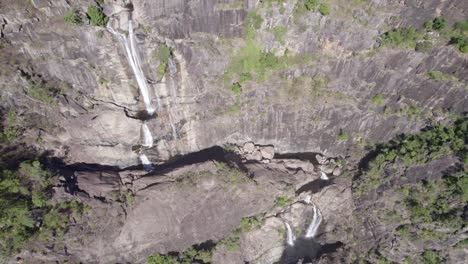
{"points": [[41, 93], [401, 38], [420, 40], [461, 26], [279, 32], [343, 136], [163, 54], [249, 223], [324, 9], [313, 6], [129, 198], [440, 76], [74, 17], [461, 43], [424, 46], [377, 100], [428, 145], [189, 256], [439, 23], [282, 201], [232, 242], [431, 257], [25, 209], [10, 129], [436, 203], [96, 16]]}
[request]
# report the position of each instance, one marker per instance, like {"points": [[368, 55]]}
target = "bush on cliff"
{"points": [[96, 16]]}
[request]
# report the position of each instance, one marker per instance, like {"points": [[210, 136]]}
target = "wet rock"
{"points": [[337, 171], [249, 148], [268, 152], [256, 155], [294, 164], [321, 159], [328, 169]]}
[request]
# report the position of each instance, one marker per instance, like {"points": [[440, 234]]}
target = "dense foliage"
{"points": [[191, 255], [73, 17], [10, 130], [163, 54], [26, 211], [421, 40], [415, 149], [313, 5], [96, 16]]}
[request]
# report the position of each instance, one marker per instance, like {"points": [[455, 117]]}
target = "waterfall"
{"points": [[138, 71], [134, 61], [133, 58], [290, 235], [172, 67], [323, 176], [146, 163], [315, 224], [147, 137]]}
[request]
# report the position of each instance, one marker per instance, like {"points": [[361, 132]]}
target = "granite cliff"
{"points": [[263, 110]]}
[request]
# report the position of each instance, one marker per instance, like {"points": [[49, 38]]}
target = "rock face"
{"points": [[190, 205], [75, 98], [301, 109]]}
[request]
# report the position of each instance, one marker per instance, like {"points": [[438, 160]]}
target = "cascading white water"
{"points": [[147, 137], [323, 176], [146, 163], [172, 67], [290, 235], [134, 61], [315, 224]]}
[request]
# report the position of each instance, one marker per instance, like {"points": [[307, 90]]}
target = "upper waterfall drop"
{"points": [[133, 58]]}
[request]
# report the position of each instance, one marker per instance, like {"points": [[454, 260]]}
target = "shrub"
{"points": [[311, 5], [41, 93], [96, 16], [253, 20], [439, 23], [25, 210], [403, 38], [249, 223], [10, 128], [377, 100], [281, 201], [461, 43], [163, 54], [415, 149], [279, 32], [73, 16], [324, 9], [461, 26], [431, 257], [424, 46], [343, 136], [160, 259]]}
